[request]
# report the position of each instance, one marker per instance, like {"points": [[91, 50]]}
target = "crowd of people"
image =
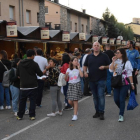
{"points": [[86, 73]]}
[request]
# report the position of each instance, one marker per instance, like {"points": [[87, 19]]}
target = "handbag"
{"points": [[61, 80], [132, 101], [116, 81]]}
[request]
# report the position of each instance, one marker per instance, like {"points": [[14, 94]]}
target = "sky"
{"points": [[123, 10]]}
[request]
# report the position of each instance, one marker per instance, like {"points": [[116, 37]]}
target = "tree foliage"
{"points": [[114, 28]]}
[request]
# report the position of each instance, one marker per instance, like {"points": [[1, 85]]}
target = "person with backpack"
{"points": [[74, 88], [54, 88], [65, 66], [121, 66], [5, 66], [14, 86]]}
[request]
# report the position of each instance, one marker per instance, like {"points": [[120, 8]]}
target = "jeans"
{"points": [[82, 84], [65, 89], [6, 91], [119, 97], [108, 81], [98, 89], [40, 92], [15, 97], [31, 94]]}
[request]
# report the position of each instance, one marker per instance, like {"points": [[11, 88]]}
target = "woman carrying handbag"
{"points": [[120, 66]]}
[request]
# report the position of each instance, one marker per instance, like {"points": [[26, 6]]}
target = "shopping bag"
{"points": [[132, 101]]}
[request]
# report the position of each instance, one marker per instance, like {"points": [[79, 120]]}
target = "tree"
{"points": [[100, 31]]}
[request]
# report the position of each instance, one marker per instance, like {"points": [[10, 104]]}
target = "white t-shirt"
{"points": [[74, 76], [83, 61], [42, 62]]}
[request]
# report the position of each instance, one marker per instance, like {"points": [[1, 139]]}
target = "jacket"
{"points": [[27, 71], [64, 68]]}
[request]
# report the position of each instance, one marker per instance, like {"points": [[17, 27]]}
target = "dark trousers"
{"points": [[119, 97], [31, 94], [86, 85], [40, 92], [135, 81]]}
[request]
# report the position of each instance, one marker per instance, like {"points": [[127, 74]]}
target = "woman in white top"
{"points": [[121, 65], [74, 88]]}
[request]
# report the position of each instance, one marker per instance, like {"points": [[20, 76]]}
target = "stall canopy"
{"points": [[73, 35]]}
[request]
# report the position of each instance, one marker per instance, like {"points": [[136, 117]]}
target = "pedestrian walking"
{"points": [[5, 65], [97, 64], [86, 79], [14, 86], [74, 88], [54, 88], [132, 55], [43, 63], [109, 74], [65, 66], [27, 71], [121, 65]]}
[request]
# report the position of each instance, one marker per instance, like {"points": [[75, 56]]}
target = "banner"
{"points": [[123, 42], [104, 40], [66, 36], [45, 34], [118, 42], [94, 38], [11, 29], [111, 41], [82, 36], [137, 44]]}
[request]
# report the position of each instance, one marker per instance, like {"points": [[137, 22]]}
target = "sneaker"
{"points": [[102, 116], [59, 113], [18, 118], [26, 112], [74, 118], [121, 119], [15, 114], [32, 118], [68, 108], [8, 107], [51, 115], [1, 108], [108, 95], [96, 115]]}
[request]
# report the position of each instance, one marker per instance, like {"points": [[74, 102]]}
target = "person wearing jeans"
{"points": [[97, 64], [121, 66], [98, 89]]}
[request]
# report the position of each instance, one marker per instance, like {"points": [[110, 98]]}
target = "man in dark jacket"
{"points": [[27, 71]]}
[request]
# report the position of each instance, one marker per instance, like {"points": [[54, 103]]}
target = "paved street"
{"points": [[62, 128]]}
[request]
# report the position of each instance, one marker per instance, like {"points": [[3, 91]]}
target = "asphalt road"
{"points": [[62, 128]]}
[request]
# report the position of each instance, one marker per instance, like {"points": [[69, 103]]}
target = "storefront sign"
{"points": [[111, 41], [66, 36], [45, 33], [123, 42], [82, 36], [94, 39], [104, 40], [118, 42], [137, 44], [11, 29]]}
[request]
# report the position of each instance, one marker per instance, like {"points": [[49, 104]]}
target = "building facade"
{"points": [[68, 19], [136, 20], [24, 12]]}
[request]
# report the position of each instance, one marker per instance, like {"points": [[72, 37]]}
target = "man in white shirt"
{"points": [[43, 63], [86, 79]]}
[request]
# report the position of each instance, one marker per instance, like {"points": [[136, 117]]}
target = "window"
{"points": [[0, 8], [37, 17], [75, 27], [71, 25], [11, 12], [46, 9], [28, 16], [82, 28]]}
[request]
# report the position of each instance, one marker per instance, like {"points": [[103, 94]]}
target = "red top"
{"points": [[64, 68]]}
